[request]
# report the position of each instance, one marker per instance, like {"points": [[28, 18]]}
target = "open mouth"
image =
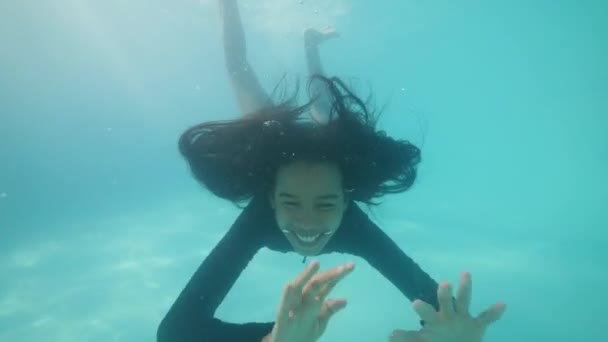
{"points": [[307, 240]]}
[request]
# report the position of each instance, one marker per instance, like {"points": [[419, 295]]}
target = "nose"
{"points": [[307, 221]]}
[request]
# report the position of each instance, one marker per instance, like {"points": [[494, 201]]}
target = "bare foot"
{"points": [[314, 37]]}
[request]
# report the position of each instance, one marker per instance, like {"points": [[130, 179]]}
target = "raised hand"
{"points": [[304, 312], [453, 322]]}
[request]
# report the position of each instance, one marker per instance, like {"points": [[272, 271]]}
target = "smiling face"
{"points": [[309, 202]]}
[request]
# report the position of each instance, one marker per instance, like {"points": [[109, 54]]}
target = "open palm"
{"points": [[453, 322], [304, 311]]}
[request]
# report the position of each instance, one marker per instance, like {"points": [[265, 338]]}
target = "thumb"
{"points": [[492, 314]]}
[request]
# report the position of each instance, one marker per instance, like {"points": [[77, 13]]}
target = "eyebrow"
{"points": [[328, 196]]}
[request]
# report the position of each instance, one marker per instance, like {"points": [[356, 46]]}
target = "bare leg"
{"points": [[249, 93], [321, 107]]}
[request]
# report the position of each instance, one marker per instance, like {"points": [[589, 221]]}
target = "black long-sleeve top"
{"points": [[191, 317]]}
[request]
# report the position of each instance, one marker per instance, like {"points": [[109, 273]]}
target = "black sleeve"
{"points": [[191, 317], [369, 242]]}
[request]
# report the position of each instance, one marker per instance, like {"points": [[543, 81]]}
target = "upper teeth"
{"points": [[307, 238]]}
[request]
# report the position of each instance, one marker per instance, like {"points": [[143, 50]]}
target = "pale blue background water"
{"points": [[101, 224]]}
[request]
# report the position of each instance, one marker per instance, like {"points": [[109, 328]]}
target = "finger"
{"points": [[303, 278], [292, 292], [313, 297], [325, 281], [446, 304], [463, 298], [326, 289], [426, 312], [405, 336], [322, 283], [330, 308], [492, 314]]}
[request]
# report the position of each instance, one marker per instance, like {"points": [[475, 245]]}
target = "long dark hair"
{"points": [[239, 159]]}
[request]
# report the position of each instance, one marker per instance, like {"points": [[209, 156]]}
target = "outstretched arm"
{"points": [[321, 107], [191, 317], [247, 89]]}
